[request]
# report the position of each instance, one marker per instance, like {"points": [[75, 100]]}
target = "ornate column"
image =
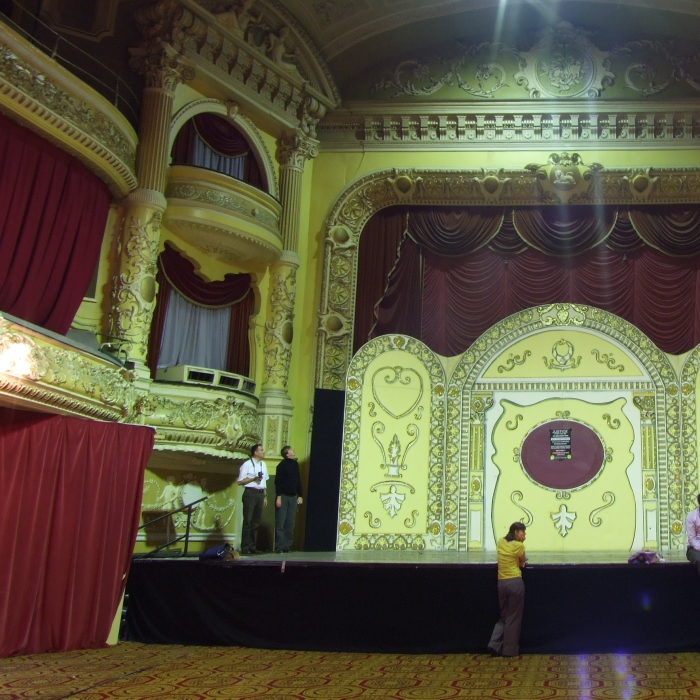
{"points": [[275, 405], [134, 282]]}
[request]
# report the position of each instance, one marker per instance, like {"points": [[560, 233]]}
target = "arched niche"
{"points": [[230, 112]]}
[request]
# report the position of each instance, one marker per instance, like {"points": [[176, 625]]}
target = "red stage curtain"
{"points": [[70, 508], [672, 230], [52, 219], [176, 272], [447, 302], [381, 237]]}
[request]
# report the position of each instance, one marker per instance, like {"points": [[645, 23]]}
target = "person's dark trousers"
{"points": [[285, 517], [505, 638], [693, 556], [252, 515]]}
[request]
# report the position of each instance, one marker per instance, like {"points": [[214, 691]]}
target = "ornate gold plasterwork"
{"points": [[54, 103], [134, 284], [271, 56], [63, 379], [563, 63], [279, 326], [378, 190], [386, 126], [395, 429], [58, 378], [201, 425], [564, 178], [658, 405], [689, 431]]}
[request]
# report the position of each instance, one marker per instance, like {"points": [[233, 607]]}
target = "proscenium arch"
{"points": [[440, 187], [228, 111], [669, 465]]}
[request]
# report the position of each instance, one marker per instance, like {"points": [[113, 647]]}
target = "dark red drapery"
{"points": [[223, 138], [69, 513], [177, 272], [626, 262], [52, 219]]}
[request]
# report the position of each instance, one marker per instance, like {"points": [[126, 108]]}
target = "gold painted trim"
{"points": [[51, 101]]}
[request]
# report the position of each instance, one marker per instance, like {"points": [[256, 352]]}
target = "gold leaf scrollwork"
{"points": [[372, 409], [594, 518], [516, 497], [374, 523], [562, 495], [607, 359], [564, 415], [613, 423], [562, 356], [411, 520], [513, 361], [513, 424]]}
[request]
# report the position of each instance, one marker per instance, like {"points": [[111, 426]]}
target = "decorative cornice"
{"points": [[251, 67], [503, 126], [55, 104]]}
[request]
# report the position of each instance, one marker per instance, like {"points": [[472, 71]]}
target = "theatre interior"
{"points": [[449, 251]]}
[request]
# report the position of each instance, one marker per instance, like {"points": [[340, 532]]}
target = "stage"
{"points": [[412, 602]]}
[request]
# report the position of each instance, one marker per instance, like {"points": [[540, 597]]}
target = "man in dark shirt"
{"points": [[288, 490]]}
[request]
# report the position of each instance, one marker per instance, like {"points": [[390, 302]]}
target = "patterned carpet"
{"points": [[132, 670]]}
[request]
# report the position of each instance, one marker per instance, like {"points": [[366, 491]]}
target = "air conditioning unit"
{"points": [[187, 374]]}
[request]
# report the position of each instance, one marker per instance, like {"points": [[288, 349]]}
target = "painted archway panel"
{"points": [[392, 472], [565, 417]]}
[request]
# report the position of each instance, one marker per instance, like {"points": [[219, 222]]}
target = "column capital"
{"points": [[161, 67], [293, 150]]}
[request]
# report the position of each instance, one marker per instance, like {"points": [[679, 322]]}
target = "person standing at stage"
{"points": [[505, 638], [692, 528], [288, 497], [253, 477]]}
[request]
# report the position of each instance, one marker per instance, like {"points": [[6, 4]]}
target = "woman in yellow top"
{"points": [[505, 638]]}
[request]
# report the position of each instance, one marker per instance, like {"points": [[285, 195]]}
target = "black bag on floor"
{"points": [[222, 552]]}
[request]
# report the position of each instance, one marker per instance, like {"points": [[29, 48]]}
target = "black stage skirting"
{"points": [[427, 608]]}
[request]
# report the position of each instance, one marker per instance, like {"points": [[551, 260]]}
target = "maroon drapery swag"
{"points": [[223, 138], [235, 291], [53, 213], [69, 513], [457, 271]]}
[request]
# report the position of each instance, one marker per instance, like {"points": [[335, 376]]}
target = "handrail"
{"points": [[188, 507], [117, 90]]}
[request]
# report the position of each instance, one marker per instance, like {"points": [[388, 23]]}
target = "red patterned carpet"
{"points": [[132, 670]]}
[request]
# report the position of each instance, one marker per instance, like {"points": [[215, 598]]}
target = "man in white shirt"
{"points": [[253, 476], [692, 528]]}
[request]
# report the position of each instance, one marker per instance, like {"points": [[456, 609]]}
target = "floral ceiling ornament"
{"points": [[565, 64]]}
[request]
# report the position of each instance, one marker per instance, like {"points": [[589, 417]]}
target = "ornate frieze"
{"points": [[563, 63], [254, 54], [384, 126], [199, 421], [61, 379], [62, 109]]}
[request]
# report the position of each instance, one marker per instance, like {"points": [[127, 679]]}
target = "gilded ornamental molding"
{"points": [[54, 103], [536, 184], [259, 57], [501, 126], [40, 372]]}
